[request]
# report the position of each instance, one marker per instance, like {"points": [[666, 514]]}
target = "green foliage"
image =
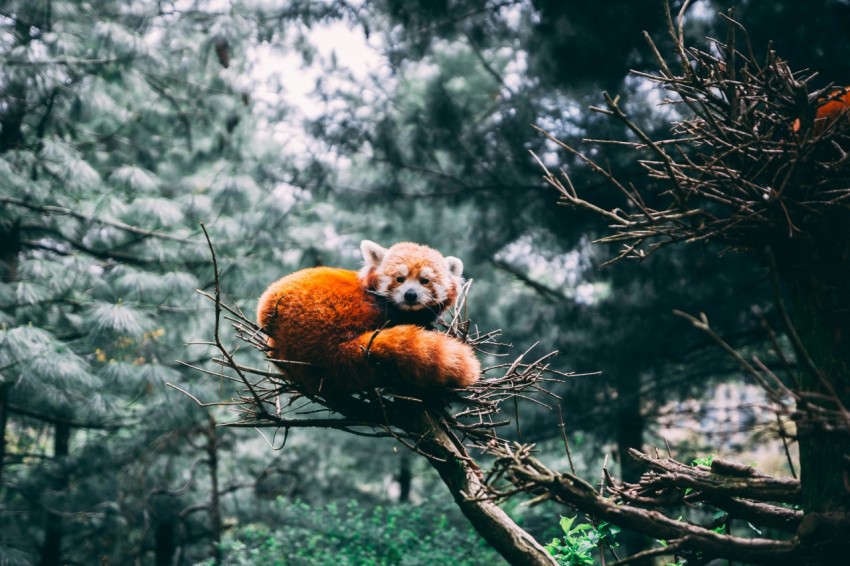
{"points": [[704, 461], [352, 535], [580, 542]]}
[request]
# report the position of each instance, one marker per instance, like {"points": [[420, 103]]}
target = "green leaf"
{"points": [[706, 461], [567, 523]]}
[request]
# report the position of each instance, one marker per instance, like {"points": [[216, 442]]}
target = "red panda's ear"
{"points": [[455, 266], [372, 253]]}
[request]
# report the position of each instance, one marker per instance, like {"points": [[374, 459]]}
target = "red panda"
{"points": [[359, 330], [830, 108]]}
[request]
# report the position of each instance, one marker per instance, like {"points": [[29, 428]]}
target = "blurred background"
{"points": [[294, 129]]}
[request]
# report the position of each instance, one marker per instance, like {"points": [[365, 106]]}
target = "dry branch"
{"points": [[516, 470], [746, 168]]}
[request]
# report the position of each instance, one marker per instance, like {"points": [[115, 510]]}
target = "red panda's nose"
{"points": [[410, 296]]}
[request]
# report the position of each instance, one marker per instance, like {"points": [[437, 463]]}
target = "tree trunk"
{"points": [[819, 287], [10, 248], [215, 504], [11, 120], [630, 425], [13, 98], [823, 472], [465, 481], [405, 478], [164, 545], [51, 552], [4, 417]]}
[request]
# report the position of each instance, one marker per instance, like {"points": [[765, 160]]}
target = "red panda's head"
{"points": [[411, 276]]}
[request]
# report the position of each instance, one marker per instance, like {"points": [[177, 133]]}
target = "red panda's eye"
{"points": [[424, 281], [400, 279]]}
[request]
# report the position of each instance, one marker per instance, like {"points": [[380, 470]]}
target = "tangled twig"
{"points": [[744, 168]]}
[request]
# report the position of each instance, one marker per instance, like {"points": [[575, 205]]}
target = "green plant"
{"points": [[706, 461], [578, 542], [356, 535]]}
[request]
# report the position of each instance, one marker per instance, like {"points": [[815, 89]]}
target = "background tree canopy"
{"points": [[293, 130]]}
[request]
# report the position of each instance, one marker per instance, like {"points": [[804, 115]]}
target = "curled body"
{"points": [[353, 331]]}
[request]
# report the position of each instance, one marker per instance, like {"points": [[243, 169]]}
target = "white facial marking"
{"points": [[383, 284], [440, 292]]}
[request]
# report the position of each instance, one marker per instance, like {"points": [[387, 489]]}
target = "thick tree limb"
{"points": [[527, 474], [667, 472]]}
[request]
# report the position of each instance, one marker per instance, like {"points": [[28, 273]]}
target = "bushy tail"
{"points": [[416, 357]]}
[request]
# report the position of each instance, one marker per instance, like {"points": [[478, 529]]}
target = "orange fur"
{"points": [[354, 339], [828, 110]]}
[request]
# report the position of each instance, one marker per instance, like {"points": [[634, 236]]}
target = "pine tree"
{"points": [[118, 136]]}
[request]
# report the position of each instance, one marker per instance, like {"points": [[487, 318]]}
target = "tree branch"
{"points": [[62, 211], [527, 474]]}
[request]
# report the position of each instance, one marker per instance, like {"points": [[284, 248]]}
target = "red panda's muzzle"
{"points": [[411, 297]]}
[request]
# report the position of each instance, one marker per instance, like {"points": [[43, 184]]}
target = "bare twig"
{"points": [[224, 352]]}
